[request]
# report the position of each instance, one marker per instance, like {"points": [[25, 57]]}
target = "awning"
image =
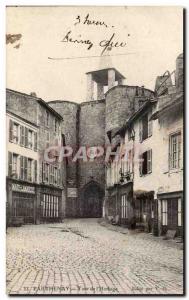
{"points": [[139, 194]]}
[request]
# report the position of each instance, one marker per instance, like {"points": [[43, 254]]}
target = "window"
{"points": [[22, 167], [15, 133], [179, 212], [129, 161], [51, 174], [26, 136], [25, 168], [47, 119], [30, 139], [14, 164], [22, 136], [29, 169], [174, 150], [145, 163], [164, 212], [145, 127]]}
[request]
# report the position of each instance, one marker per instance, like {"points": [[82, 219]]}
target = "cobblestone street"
{"points": [[82, 257]]}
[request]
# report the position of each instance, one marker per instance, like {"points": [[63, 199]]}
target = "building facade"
{"points": [[35, 187], [22, 168], [148, 183]]}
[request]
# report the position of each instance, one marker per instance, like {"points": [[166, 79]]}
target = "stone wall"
{"points": [[92, 133], [70, 126], [24, 106], [121, 102]]}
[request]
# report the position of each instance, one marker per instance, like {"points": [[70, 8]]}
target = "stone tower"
{"points": [[105, 78]]}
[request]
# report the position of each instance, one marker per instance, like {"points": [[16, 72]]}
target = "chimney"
{"points": [[33, 94], [179, 72]]}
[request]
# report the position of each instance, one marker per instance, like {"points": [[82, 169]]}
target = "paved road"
{"points": [[82, 257]]}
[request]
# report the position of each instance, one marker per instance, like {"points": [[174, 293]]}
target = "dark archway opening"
{"points": [[92, 199]]}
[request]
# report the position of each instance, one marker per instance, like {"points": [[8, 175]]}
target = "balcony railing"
{"points": [[126, 177]]}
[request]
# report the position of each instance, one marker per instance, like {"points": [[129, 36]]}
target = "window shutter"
{"points": [[21, 167], [149, 161], [35, 170], [22, 135], [25, 168], [35, 141], [26, 137], [150, 123], [11, 131], [9, 163], [140, 164], [140, 131]]}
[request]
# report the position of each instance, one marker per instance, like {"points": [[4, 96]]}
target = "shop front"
{"points": [[126, 205], [144, 210], [21, 202], [171, 212], [51, 205]]}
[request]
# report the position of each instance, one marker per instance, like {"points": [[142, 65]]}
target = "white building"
{"points": [[22, 166], [153, 143]]}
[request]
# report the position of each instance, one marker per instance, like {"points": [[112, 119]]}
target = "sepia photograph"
{"points": [[95, 150]]}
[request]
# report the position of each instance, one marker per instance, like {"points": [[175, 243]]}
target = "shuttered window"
{"points": [[30, 139], [15, 130], [22, 135], [145, 126], [15, 165], [29, 167], [175, 150], [145, 163], [149, 161], [11, 131], [22, 167], [25, 168], [26, 137]]}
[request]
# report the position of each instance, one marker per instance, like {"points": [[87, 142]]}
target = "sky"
{"points": [[153, 37]]}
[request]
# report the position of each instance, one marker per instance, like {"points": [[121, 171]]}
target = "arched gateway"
{"points": [[92, 199]]}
